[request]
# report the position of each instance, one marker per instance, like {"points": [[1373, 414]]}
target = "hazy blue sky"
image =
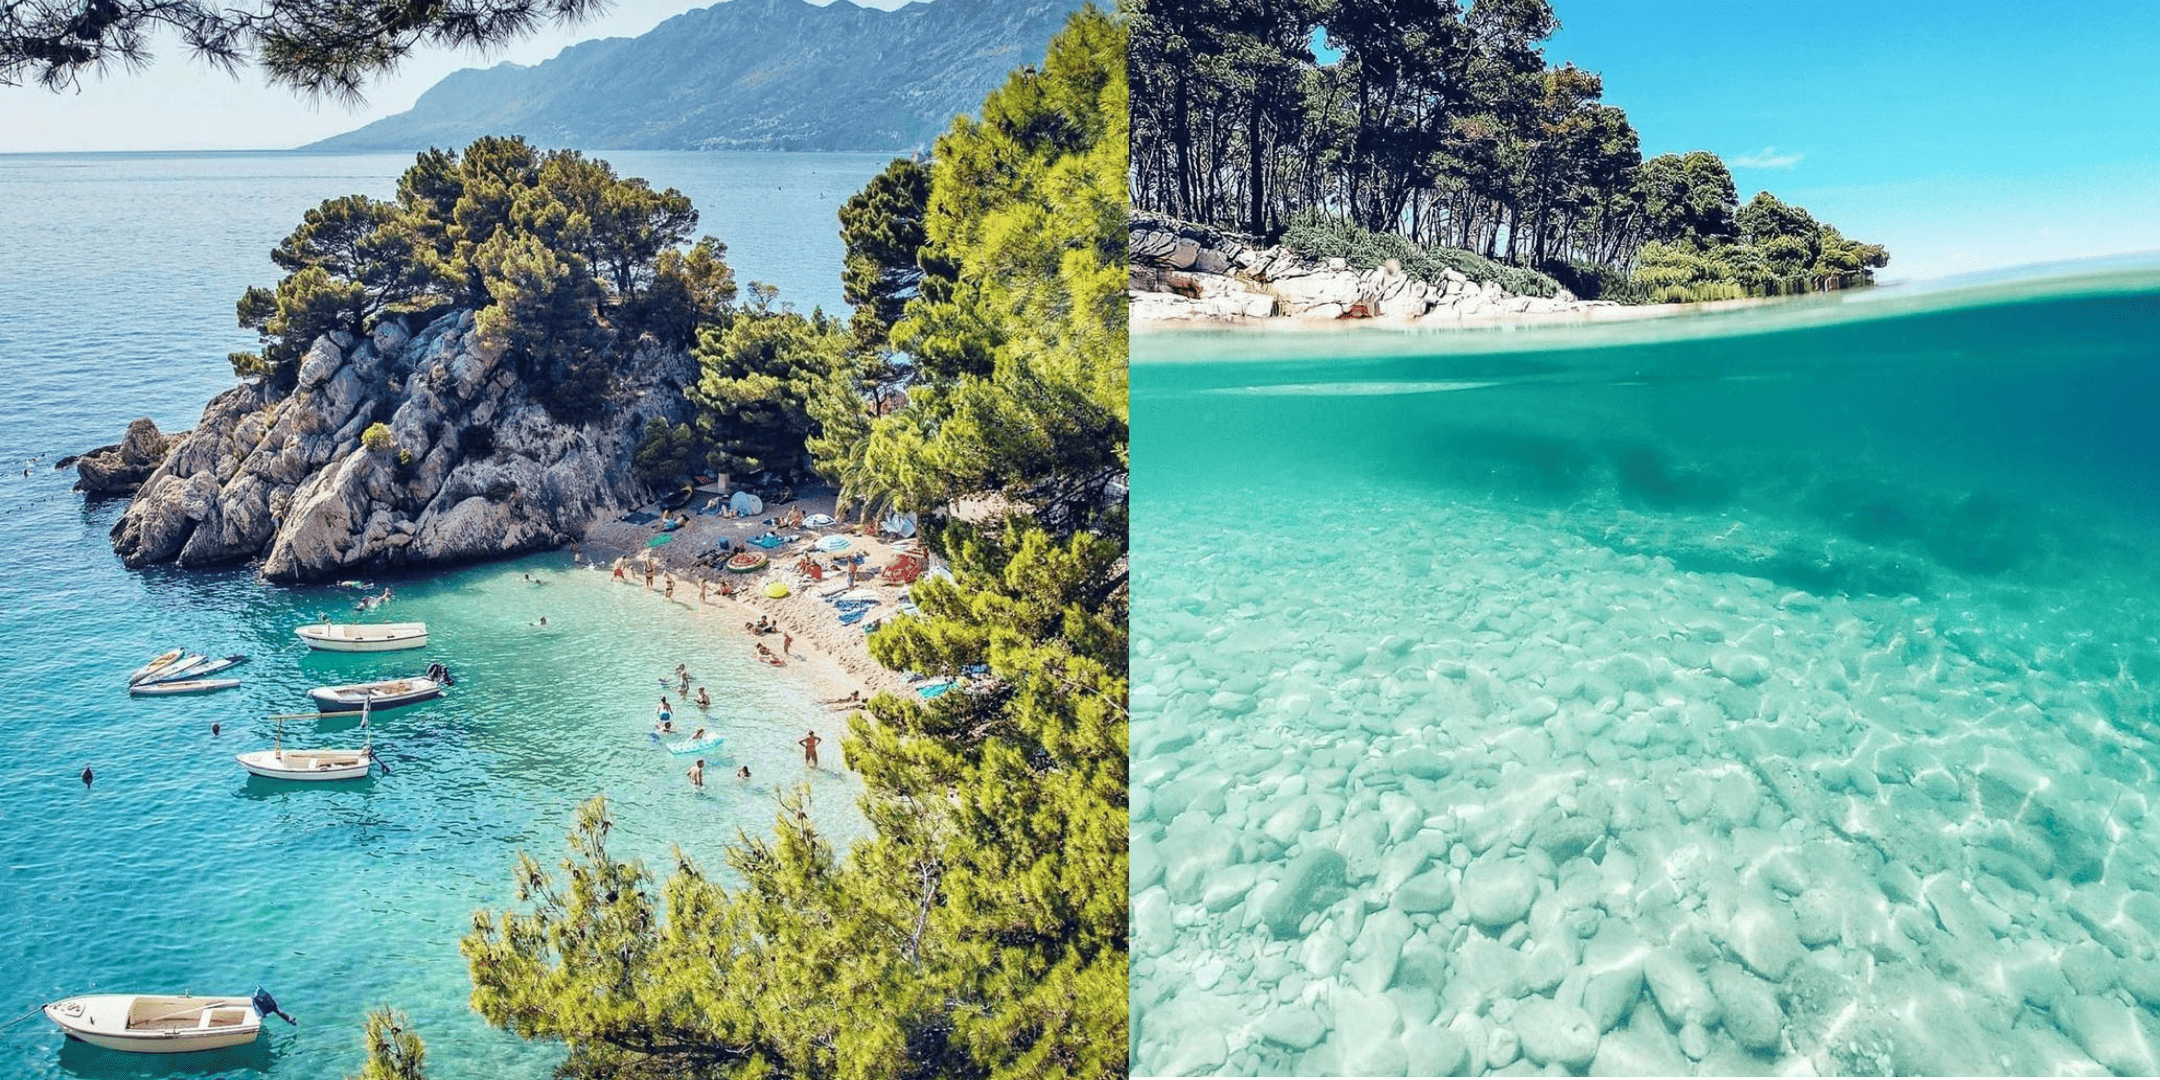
{"points": [[1964, 136], [181, 105]]}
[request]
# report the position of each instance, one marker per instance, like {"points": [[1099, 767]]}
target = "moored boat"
{"points": [[363, 637], [203, 667], [281, 764], [184, 686], [163, 1023], [178, 669], [156, 665], [382, 694]]}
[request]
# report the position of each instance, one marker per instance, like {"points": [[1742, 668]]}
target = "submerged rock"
{"points": [[1297, 894], [1497, 892], [1556, 1033]]}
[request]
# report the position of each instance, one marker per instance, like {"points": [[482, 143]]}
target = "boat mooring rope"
{"points": [[34, 1010]]}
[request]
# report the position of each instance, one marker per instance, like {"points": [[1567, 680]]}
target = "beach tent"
{"points": [[745, 503], [899, 524]]}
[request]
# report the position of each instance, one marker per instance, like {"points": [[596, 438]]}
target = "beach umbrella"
{"points": [[659, 540], [833, 543]]}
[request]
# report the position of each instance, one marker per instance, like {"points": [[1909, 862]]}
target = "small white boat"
{"points": [[158, 1023], [364, 637], [308, 764], [384, 694], [163, 661], [184, 686]]}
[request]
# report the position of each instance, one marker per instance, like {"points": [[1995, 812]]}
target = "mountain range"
{"points": [[742, 75]]}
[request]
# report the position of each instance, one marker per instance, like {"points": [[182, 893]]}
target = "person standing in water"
{"points": [[697, 775], [809, 744]]}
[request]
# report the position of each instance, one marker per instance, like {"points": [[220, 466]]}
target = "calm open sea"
{"points": [[1767, 693], [174, 872]]}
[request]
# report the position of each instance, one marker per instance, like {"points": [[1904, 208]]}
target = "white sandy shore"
{"points": [[834, 658], [1602, 314]]}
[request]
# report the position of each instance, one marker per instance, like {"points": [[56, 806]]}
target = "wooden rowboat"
{"points": [[308, 764], [157, 1023], [384, 694], [363, 637]]}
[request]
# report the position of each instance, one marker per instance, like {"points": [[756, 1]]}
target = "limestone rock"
{"points": [[2112, 1033], [1497, 892], [1295, 895], [1680, 991], [1297, 1027], [1749, 1008], [284, 477], [123, 467], [1556, 1033], [1436, 1051], [1428, 892]]}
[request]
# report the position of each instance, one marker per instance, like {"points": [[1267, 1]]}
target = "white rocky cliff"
{"points": [[1187, 274], [475, 466]]}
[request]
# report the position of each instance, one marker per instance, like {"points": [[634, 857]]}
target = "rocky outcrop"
{"points": [[1184, 273], [121, 468], [475, 466]]}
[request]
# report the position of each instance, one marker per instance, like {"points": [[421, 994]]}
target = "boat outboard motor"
{"points": [[440, 674], [265, 1005]]}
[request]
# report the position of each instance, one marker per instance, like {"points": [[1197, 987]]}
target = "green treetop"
{"points": [[980, 931]]}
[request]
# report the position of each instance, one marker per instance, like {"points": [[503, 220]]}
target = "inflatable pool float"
{"points": [[776, 589], [746, 562], [692, 746]]}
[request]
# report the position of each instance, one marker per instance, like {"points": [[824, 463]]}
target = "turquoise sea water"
{"points": [[1770, 691], [175, 872]]}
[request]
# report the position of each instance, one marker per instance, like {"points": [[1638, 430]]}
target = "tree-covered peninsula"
{"points": [[1439, 137], [980, 383]]}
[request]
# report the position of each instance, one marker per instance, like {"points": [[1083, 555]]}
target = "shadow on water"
{"points": [[78, 1058]]}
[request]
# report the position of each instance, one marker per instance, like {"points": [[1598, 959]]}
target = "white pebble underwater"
{"points": [[1762, 698]]}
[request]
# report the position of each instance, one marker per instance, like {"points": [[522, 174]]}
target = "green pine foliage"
{"points": [[394, 1051], [758, 373], [1442, 124], [980, 931], [665, 453], [1318, 237], [566, 263]]}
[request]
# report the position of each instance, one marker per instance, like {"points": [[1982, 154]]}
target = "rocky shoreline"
{"points": [[474, 466], [1187, 274]]}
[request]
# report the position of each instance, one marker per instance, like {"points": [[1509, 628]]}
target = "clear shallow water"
{"points": [[174, 872], [1770, 692]]}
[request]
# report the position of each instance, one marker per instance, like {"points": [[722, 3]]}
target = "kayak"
{"points": [[163, 660], [184, 686]]}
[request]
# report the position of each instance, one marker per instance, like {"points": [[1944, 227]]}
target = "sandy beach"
{"points": [[834, 657]]}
